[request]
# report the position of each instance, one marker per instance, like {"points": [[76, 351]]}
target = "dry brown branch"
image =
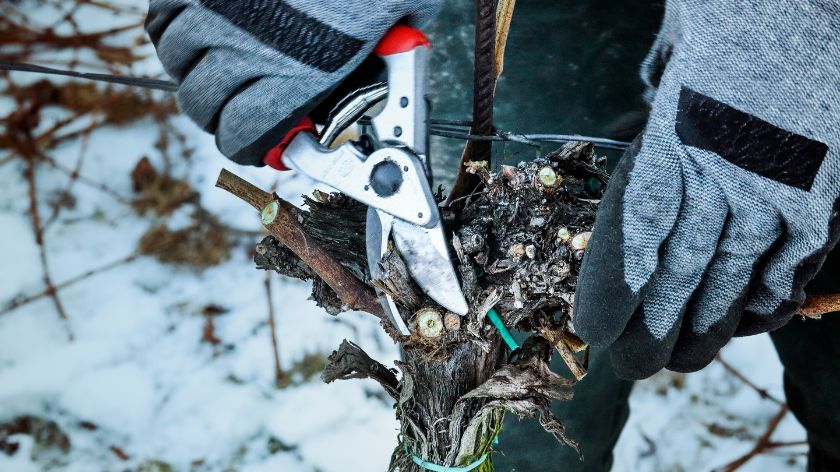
{"points": [[18, 302], [817, 305], [762, 445], [20, 34], [119, 452], [102, 106], [566, 351], [280, 378], [780, 444], [73, 174], [81, 100], [763, 393], [30, 154], [66, 192], [285, 227]]}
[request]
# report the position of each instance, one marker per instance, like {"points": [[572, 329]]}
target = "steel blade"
{"points": [[427, 257], [377, 231]]}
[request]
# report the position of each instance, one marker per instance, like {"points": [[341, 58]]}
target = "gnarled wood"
{"points": [[287, 228], [514, 250]]}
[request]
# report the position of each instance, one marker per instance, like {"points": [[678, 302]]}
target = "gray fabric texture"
{"points": [[250, 70], [720, 236]]}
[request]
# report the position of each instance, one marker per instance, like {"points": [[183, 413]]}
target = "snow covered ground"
{"points": [[138, 388]]}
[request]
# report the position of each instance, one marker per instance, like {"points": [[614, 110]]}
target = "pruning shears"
{"points": [[388, 170]]}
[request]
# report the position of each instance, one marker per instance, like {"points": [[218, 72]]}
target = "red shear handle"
{"points": [[400, 38], [274, 157]]}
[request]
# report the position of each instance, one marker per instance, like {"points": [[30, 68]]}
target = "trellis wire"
{"points": [[452, 129], [459, 129]]}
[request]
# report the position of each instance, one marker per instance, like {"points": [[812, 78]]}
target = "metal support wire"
{"points": [[459, 129], [453, 129], [144, 82]]}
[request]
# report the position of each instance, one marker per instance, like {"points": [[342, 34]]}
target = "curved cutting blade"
{"points": [[378, 229], [427, 257]]}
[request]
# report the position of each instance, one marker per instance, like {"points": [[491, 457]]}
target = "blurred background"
{"points": [[136, 333]]}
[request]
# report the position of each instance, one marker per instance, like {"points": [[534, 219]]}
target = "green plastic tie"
{"points": [[513, 345], [497, 322], [443, 468]]}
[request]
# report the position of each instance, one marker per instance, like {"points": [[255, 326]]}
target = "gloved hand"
{"points": [[251, 70], [727, 205]]}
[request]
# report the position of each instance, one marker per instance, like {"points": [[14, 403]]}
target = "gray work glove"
{"points": [[726, 207], [250, 70]]}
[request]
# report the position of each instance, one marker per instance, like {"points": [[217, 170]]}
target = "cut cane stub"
{"points": [[548, 177], [563, 234], [452, 322], [269, 212], [429, 323]]}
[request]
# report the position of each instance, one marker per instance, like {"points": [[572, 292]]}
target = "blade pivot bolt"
{"points": [[386, 178]]}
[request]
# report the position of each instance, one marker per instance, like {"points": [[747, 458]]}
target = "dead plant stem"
{"points": [[763, 393], [761, 446], [37, 228], [19, 302], [280, 377]]}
